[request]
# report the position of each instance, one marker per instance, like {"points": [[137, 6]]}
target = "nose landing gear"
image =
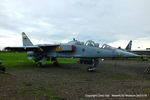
{"points": [[95, 62]]}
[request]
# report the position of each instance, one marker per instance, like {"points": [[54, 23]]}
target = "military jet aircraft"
{"points": [[89, 52], [145, 54], [128, 47]]}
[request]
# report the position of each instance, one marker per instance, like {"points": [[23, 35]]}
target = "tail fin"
{"points": [[129, 46], [26, 40]]}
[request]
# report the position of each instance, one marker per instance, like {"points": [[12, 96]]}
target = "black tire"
{"points": [[81, 62], [56, 64], [39, 64], [91, 69], [3, 69]]}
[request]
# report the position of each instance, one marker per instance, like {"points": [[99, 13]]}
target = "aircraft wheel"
{"points": [[3, 69], [55, 63], [81, 62], [91, 69], [39, 64]]}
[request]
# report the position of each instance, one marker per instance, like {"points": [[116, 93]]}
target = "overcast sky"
{"points": [[114, 22]]}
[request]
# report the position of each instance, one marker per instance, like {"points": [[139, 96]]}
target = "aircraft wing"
{"points": [[30, 48], [21, 49], [58, 47], [48, 45]]}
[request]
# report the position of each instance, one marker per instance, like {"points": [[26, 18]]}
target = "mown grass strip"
{"points": [[21, 59]]}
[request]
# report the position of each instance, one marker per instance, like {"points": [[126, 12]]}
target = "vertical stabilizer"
{"points": [[26, 41], [128, 48]]}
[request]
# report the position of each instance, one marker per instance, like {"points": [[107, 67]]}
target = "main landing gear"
{"points": [[55, 62], [41, 63]]}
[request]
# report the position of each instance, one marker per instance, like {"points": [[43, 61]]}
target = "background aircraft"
{"points": [[145, 53], [128, 47], [89, 52]]}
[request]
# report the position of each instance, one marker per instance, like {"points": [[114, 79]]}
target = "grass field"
{"points": [[70, 80], [20, 59]]}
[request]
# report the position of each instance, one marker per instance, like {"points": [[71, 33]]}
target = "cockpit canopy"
{"points": [[87, 43], [105, 46], [91, 43]]}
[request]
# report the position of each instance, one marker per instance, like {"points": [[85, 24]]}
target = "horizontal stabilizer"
{"points": [[29, 48], [22, 49]]}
